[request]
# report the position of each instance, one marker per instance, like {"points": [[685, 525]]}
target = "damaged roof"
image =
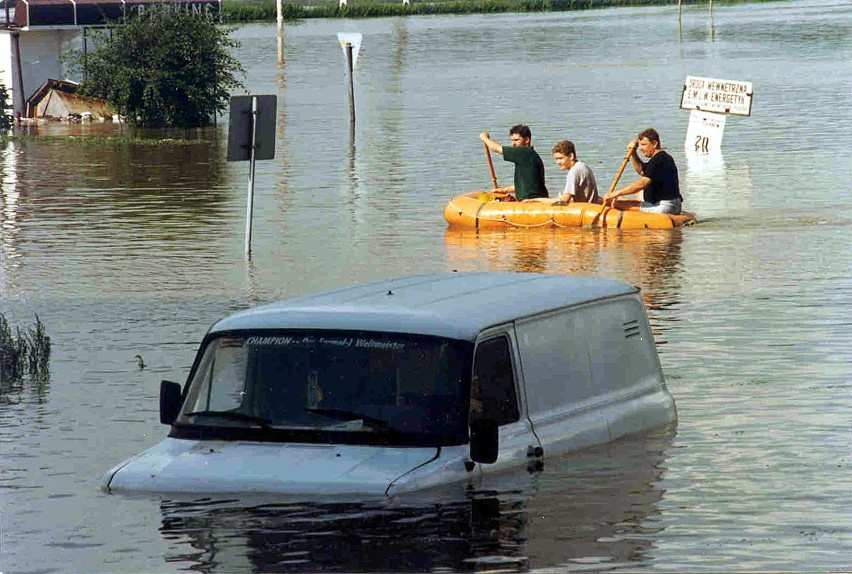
{"points": [[58, 99], [79, 13]]}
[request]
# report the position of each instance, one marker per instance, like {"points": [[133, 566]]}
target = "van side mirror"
{"points": [[170, 401], [484, 441]]}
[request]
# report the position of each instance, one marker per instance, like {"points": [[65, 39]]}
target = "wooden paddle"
{"points": [[490, 166], [615, 181]]}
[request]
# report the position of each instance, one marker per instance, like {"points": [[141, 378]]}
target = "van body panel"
{"points": [[562, 430], [451, 466], [177, 465], [640, 412], [592, 374]]}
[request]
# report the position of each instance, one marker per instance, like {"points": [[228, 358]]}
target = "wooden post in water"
{"points": [[280, 22], [351, 84]]}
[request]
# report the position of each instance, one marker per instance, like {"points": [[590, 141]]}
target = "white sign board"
{"points": [[714, 95], [353, 38], [705, 131]]}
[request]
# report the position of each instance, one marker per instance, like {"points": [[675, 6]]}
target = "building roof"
{"points": [[454, 305], [59, 99], [79, 13]]}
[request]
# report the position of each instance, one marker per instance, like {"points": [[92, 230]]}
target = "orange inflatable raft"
{"points": [[483, 210]]}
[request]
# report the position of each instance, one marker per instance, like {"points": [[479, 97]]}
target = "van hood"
{"points": [[181, 465]]}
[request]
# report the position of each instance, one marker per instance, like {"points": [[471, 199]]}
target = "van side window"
{"points": [[493, 387]]}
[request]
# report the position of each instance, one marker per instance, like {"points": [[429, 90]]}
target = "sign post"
{"points": [[705, 131], [351, 44], [251, 136], [710, 99]]}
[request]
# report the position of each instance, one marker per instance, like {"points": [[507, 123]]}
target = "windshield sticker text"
{"points": [[309, 341]]}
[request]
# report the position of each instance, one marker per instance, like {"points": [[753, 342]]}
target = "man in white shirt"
{"points": [[580, 184]]}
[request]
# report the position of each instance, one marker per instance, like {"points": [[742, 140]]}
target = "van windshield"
{"points": [[360, 383]]}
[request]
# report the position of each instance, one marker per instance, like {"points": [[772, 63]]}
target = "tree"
{"points": [[5, 110], [164, 67]]}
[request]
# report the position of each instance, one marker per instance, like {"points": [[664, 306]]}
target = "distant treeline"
{"points": [[266, 10]]}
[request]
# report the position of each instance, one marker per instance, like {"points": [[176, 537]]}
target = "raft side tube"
{"points": [[482, 210]]}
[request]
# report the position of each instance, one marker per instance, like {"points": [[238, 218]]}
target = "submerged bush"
{"points": [[23, 353]]}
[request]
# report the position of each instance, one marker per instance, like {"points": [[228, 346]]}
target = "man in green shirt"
{"points": [[529, 169]]}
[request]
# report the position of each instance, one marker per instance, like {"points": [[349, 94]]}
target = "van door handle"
{"points": [[535, 451]]}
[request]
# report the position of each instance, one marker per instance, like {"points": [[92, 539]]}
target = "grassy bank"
{"points": [[234, 11]]}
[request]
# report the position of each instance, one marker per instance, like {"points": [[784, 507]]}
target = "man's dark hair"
{"points": [[522, 130], [649, 133], [564, 147]]}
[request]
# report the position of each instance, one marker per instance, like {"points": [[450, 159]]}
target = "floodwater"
{"points": [[125, 250]]}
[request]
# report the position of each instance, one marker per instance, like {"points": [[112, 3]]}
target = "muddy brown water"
{"points": [[128, 249]]}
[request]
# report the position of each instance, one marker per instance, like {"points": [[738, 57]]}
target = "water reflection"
{"points": [[540, 250], [9, 198], [595, 507], [390, 146], [351, 172], [142, 186], [75, 129], [23, 391], [279, 40], [714, 188], [711, 26], [282, 153], [648, 258]]}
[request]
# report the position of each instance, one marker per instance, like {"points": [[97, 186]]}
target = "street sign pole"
{"points": [[251, 137], [351, 44], [348, 49], [250, 199]]}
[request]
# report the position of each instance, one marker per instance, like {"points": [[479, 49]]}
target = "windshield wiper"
{"points": [[343, 414], [260, 421]]}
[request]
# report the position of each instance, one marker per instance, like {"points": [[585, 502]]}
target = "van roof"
{"points": [[453, 305]]}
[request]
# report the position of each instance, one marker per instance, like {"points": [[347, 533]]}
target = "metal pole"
{"points": [[250, 200], [351, 84]]}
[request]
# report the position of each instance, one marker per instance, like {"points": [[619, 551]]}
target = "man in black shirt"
{"points": [[658, 179]]}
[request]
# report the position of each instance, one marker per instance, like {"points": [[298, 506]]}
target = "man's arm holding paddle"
{"points": [[637, 162], [630, 189], [637, 185], [496, 147]]}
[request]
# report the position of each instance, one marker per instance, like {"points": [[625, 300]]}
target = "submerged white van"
{"points": [[406, 384]]}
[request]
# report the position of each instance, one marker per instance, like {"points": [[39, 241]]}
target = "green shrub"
{"points": [[162, 68], [5, 110]]}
